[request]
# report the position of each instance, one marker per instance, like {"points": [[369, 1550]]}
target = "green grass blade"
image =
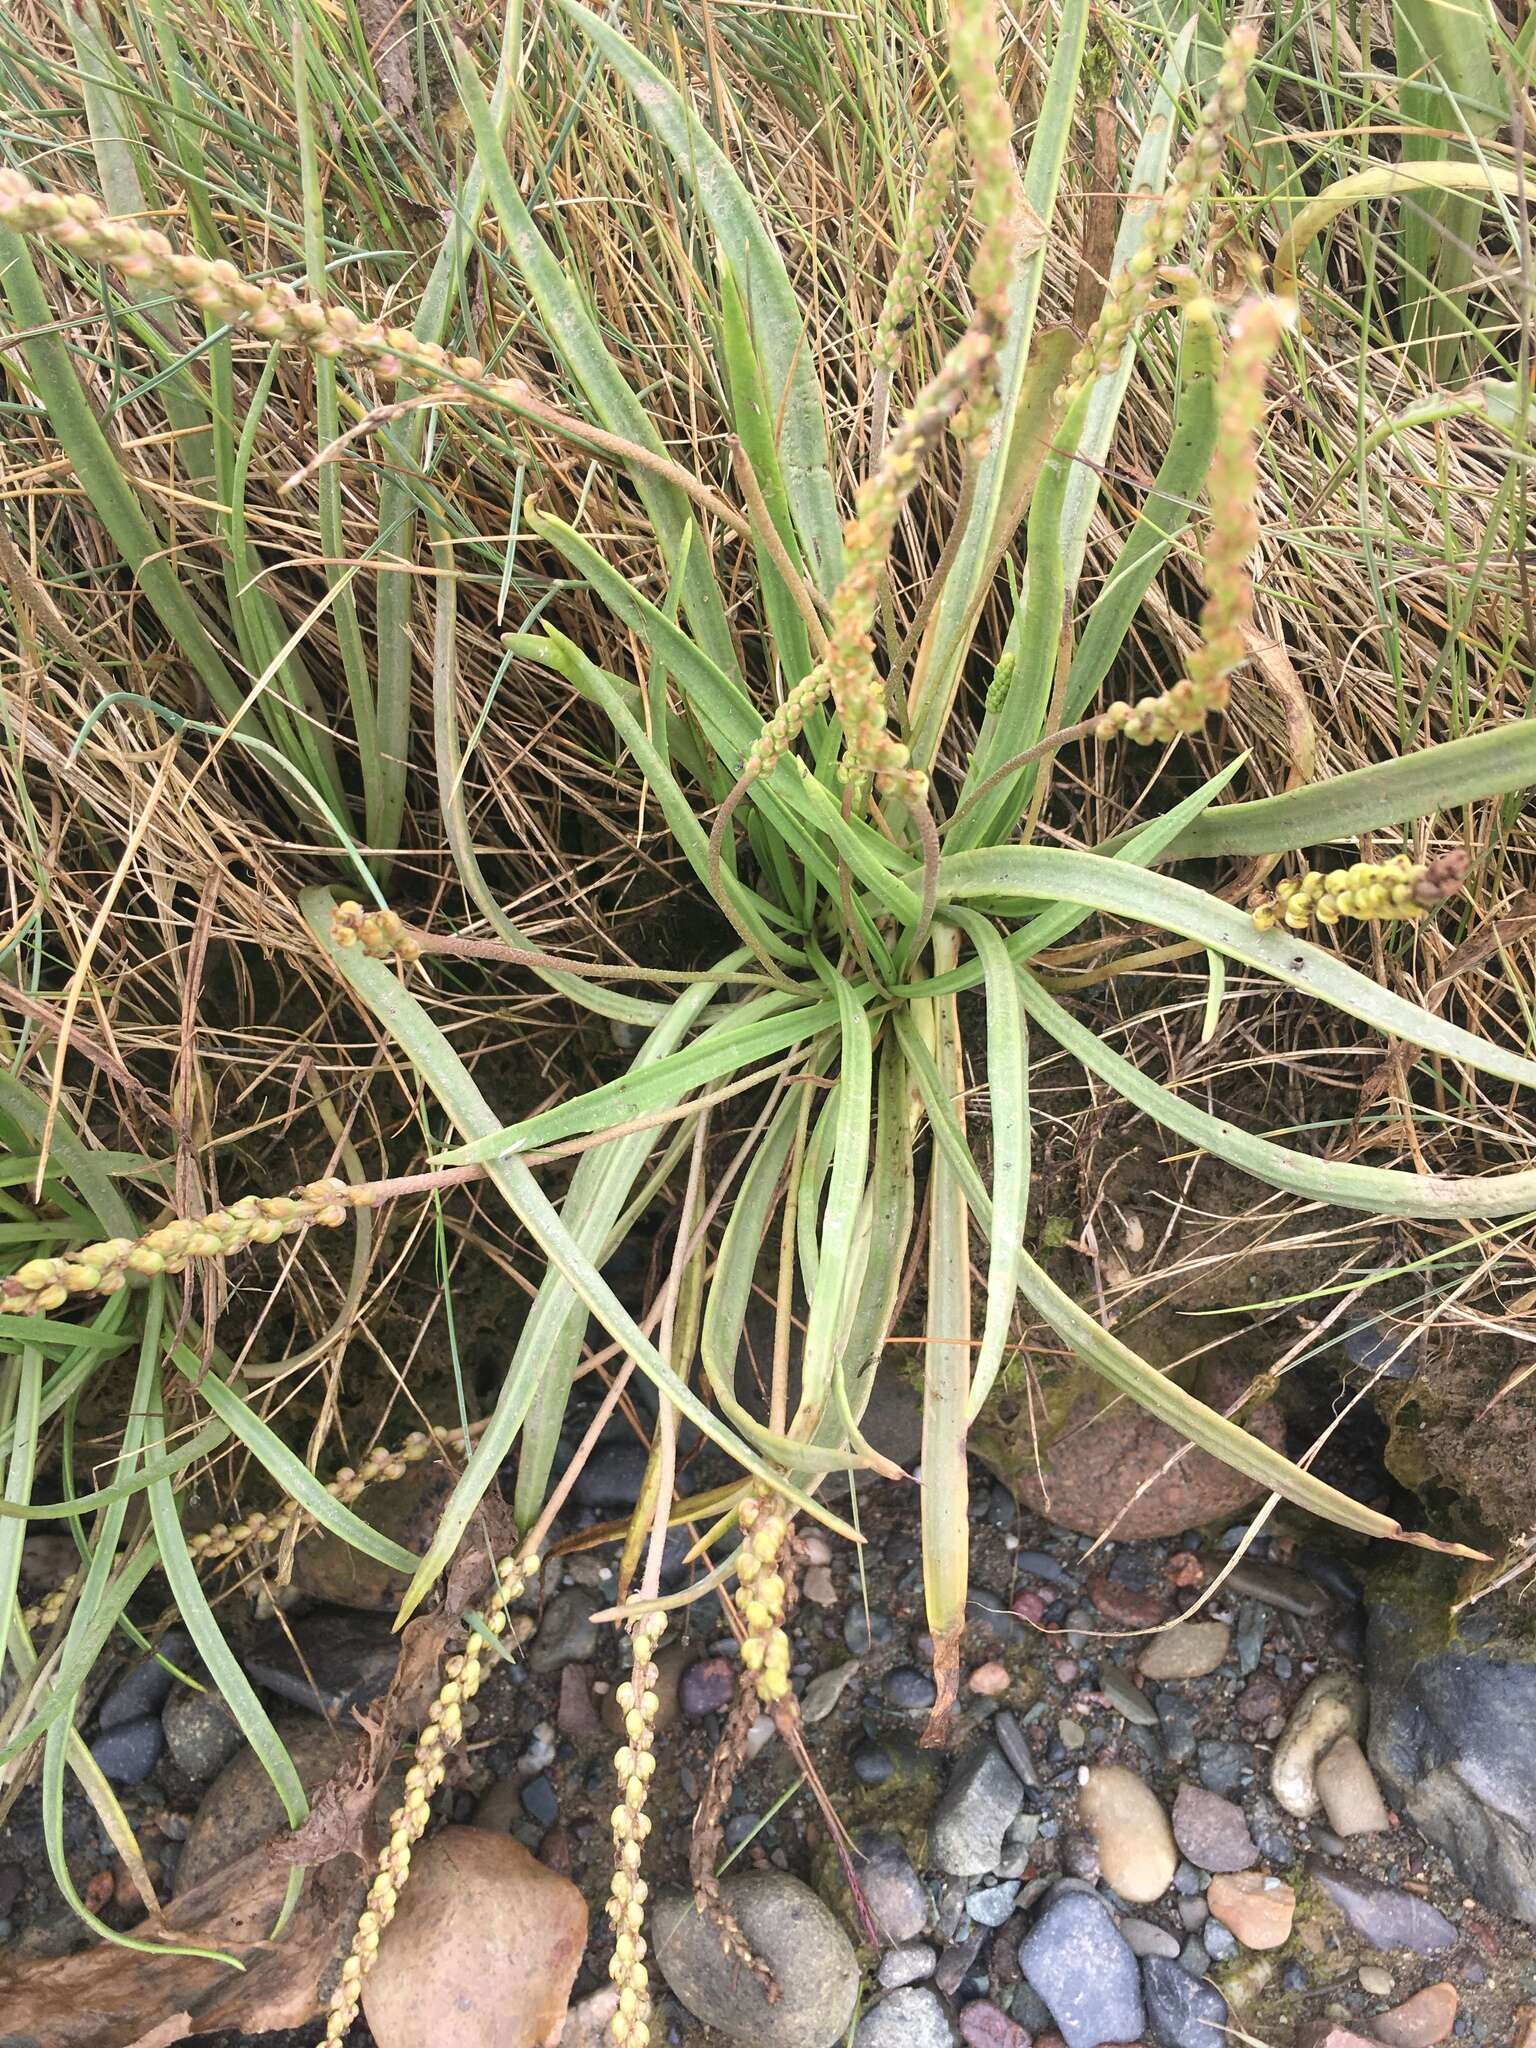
{"points": [[1418, 785], [778, 325], [996, 874], [1008, 1096], [574, 336]]}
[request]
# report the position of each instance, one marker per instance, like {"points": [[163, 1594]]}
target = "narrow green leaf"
{"points": [[777, 322], [996, 874]]}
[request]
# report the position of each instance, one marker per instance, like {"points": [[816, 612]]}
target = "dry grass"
{"points": [[151, 878]]}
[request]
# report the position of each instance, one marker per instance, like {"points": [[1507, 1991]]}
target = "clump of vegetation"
{"points": [[851, 761]]}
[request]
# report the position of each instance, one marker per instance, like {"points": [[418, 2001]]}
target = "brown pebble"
{"points": [[1124, 1605], [1259, 1910], [557, 1850], [989, 1680], [576, 1715], [1525, 2027], [1421, 2021], [1260, 1698], [707, 1687], [1329, 2034], [985, 2025]]}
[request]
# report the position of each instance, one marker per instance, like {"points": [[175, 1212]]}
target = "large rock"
{"points": [[794, 1933], [1452, 1710], [1097, 1463], [241, 1808], [406, 1510], [482, 1952]]}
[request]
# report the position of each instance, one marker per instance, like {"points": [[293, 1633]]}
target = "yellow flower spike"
{"points": [[1398, 888], [409, 1823]]}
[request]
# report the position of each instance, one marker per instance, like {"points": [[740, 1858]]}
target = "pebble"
{"points": [[1039, 1564], [860, 1630], [1278, 1587], [612, 1476], [1259, 1910], [328, 1662], [540, 1802], [911, 2018], [1182, 2011], [989, 1680], [985, 2025], [910, 1963], [1260, 1699], [872, 1763], [958, 1961], [706, 1687], [1076, 1960], [1135, 1843], [1332, 1707], [1351, 1797], [1377, 1982], [200, 1732], [796, 1935], [129, 1750], [576, 1716], [1071, 1734], [825, 1690], [1143, 1939], [1177, 1720], [909, 1690], [1126, 1697], [1190, 1649], [983, 1798], [240, 1809], [1217, 1942], [1329, 2034], [818, 1588], [1421, 2021], [566, 1634], [993, 1904], [1212, 1831], [1014, 1743], [1225, 1767], [482, 1952], [1382, 1915], [894, 1893], [146, 1686], [1252, 1627], [1126, 1606]]}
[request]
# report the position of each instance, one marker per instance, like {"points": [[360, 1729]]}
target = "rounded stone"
{"points": [[1332, 1707], [1350, 1795], [1421, 2021], [915, 2017], [241, 1808], [483, 1949], [1260, 1911], [1184, 1488], [1136, 1850], [797, 1936], [1190, 1649], [1212, 1831], [200, 1732]]}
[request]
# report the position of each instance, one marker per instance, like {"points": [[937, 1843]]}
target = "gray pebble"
{"points": [[911, 1963], [1225, 1767], [861, 1629], [1278, 1587], [1220, 1942], [872, 1763], [1039, 1564], [612, 1476], [1125, 1697], [145, 1687], [1177, 1719], [991, 1906], [911, 2018], [129, 1750], [566, 1635], [540, 1803], [894, 1893], [706, 1687], [1142, 1938], [910, 1690], [982, 1800], [200, 1732], [1074, 1957], [1182, 2012], [1252, 1626], [1014, 1743]]}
